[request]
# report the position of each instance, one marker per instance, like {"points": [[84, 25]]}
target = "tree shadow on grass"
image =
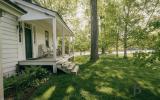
{"points": [[95, 82]]}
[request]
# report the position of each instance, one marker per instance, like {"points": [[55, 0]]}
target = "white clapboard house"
{"points": [[33, 35]]}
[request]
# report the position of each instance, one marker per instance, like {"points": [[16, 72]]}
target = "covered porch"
{"points": [[51, 42], [49, 37]]}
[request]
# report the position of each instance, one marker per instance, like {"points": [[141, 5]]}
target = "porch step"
{"points": [[68, 67], [75, 70], [64, 70], [71, 67]]}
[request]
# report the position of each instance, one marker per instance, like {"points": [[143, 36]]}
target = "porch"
{"points": [[45, 61], [52, 49]]}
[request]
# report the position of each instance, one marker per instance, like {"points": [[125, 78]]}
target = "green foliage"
{"points": [[140, 59], [155, 24], [156, 47], [81, 59], [138, 37], [64, 7], [31, 77], [109, 24], [82, 42]]}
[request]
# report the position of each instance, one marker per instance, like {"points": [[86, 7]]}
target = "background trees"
{"points": [[123, 24]]}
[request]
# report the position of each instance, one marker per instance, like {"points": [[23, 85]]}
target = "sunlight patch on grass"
{"points": [[70, 90], [148, 85], [47, 94], [87, 95], [119, 74], [158, 90], [122, 94], [145, 84], [115, 74], [106, 68], [100, 74], [101, 83], [107, 90], [111, 91]]}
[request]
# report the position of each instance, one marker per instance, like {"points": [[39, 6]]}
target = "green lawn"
{"points": [[109, 78]]}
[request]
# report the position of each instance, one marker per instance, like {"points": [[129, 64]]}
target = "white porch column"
{"points": [[1, 74], [63, 43], [54, 31], [69, 46]]}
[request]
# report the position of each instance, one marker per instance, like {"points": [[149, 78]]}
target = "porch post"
{"points": [[73, 52], [1, 74], [69, 46], [54, 31], [63, 43]]}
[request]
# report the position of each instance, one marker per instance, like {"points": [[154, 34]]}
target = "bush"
{"points": [[31, 77], [140, 58], [145, 59]]}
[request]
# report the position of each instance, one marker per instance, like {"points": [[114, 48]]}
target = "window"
{"points": [[47, 39]]}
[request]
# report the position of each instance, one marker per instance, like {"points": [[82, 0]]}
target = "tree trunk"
{"points": [[94, 31], [125, 42], [117, 44], [103, 50], [127, 13], [80, 52]]}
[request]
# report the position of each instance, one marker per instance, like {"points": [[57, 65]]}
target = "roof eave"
{"points": [[14, 7]]}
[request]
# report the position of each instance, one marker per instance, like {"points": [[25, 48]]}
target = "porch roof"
{"points": [[38, 12]]}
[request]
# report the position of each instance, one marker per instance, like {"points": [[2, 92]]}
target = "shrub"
{"points": [[31, 77], [145, 59], [140, 58]]}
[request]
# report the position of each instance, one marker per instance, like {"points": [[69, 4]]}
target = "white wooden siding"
{"points": [[9, 36]]}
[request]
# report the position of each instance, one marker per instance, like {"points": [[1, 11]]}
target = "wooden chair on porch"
{"points": [[43, 51]]}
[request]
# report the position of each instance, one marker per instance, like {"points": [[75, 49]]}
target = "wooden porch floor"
{"points": [[44, 61]]}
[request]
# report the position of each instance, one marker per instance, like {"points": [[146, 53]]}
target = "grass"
{"points": [[109, 78]]}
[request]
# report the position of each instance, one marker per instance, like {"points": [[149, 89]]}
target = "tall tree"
{"points": [[94, 31], [127, 9]]}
